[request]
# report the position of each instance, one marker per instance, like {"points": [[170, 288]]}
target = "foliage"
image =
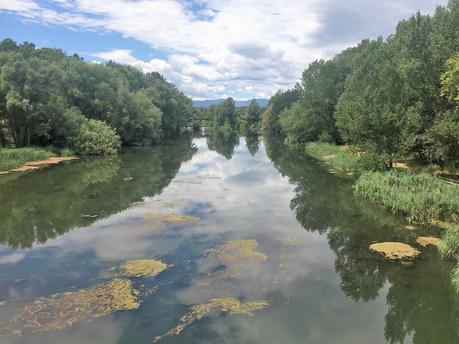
{"points": [[15, 157], [277, 103], [223, 116], [39, 86], [96, 138], [422, 197], [389, 96], [251, 118]]}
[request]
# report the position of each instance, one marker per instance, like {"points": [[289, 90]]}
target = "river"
{"points": [[297, 237]]}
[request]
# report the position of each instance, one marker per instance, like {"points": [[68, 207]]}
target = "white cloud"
{"points": [[227, 47]]}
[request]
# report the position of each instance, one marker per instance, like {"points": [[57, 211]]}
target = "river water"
{"points": [[64, 228]]}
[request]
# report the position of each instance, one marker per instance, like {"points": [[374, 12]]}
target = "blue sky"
{"points": [[208, 48]]}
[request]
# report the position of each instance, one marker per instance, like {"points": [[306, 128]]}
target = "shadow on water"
{"points": [[46, 204], [422, 307]]}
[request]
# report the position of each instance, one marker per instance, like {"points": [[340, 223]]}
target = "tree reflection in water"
{"points": [[45, 205], [421, 303]]}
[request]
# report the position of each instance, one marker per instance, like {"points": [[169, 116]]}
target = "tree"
{"points": [[277, 103], [251, 120], [370, 112]]}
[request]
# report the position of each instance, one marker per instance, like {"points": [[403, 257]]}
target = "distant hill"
{"points": [[239, 103]]}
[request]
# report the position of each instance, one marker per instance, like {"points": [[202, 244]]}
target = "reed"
{"points": [[16, 157]]}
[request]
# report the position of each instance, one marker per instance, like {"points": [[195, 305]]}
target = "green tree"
{"points": [[370, 112]]}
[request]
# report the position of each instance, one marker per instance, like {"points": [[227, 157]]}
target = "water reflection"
{"points": [[252, 142], [46, 204], [311, 260], [223, 142], [418, 310]]}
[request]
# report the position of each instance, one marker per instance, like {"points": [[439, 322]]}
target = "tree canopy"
{"points": [[39, 86]]}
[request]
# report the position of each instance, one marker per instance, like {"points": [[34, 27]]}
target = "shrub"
{"points": [[96, 138]]}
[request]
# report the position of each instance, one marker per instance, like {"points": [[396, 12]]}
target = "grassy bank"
{"points": [[345, 159], [422, 197], [16, 157]]}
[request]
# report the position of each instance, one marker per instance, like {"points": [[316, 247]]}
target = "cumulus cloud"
{"points": [[234, 47]]}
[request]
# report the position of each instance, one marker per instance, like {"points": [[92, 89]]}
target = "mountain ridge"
{"points": [[239, 103]]}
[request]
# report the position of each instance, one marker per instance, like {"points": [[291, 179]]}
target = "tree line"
{"points": [[388, 96], [48, 98]]}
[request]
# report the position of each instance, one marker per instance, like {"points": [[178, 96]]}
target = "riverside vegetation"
{"points": [[381, 101]]}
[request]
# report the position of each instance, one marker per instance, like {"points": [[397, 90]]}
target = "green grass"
{"points": [[16, 157], [421, 197], [345, 160], [338, 159]]}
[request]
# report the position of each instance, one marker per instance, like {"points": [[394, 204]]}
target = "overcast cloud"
{"points": [[233, 47]]}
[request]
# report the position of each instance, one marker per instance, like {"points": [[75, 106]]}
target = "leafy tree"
{"points": [[370, 112], [224, 116], [277, 103], [251, 118], [38, 86]]}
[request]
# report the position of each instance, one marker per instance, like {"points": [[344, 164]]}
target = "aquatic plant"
{"points": [[396, 251], [425, 241], [142, 268], [61, 311], [237, 250], [423, 198], [229, 305], [162, 219]]}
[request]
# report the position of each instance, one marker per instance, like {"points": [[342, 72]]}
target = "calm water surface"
{"points": [[328, 288]]}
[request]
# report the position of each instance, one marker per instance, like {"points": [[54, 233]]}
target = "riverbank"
{"points": [[25, 159], [423, 198]]}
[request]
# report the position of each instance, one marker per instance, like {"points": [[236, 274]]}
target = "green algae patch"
{"points": [[287, 241], [237, 250], [229, 305], [142, 268], [396, 251], [174, 204], [61, 311], [425, 241], [163, 219]]}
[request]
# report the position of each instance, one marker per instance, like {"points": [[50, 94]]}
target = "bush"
{"points": [[96, 138], [88, 136], [371, 161], [422, 197]]}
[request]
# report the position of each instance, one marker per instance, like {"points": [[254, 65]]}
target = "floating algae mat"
{"points": [[142, 268], [395, 251], [287, 241], [162, 219], [425, 241], [237, 250], [61, 311], [229, 305]]}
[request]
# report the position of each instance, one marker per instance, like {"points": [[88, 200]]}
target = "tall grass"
{"points": [[16, 157], [421, 197]]}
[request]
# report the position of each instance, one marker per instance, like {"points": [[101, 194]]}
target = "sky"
{"points": [[210, 49]]}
